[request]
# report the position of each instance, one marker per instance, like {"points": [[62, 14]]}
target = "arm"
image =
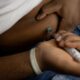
{"points": [[49, 57], [57, 59], [15, 67], [68, 10], [68, 39], [22, 35]]}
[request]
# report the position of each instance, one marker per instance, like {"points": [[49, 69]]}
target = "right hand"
{"points": [[68, 39], [68, 9], [54, 58]]}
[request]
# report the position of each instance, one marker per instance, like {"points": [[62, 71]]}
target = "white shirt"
{"points": [[11, 11]]}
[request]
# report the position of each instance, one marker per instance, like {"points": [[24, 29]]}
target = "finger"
{"points": [[70, 41], [66, 35], [73, 44], [63, 33], [49, 8], [58, 38], [60, 35]]}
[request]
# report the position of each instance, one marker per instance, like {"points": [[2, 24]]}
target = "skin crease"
{"points": [[54, 58]]}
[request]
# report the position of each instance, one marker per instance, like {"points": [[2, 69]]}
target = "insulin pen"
{"points": [[72, 51]]}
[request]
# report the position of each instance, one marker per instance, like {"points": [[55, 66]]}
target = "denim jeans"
{"points": [[49, 75]]}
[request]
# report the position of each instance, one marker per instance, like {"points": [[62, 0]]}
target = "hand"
{"points": [[49, 8], [67, 39], [67, 9], [54, 58]]}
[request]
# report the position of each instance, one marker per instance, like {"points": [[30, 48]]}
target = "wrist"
{"points": [[39, 58]]}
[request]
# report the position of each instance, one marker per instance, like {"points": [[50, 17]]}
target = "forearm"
{"points": [[74, 69], [28, 34], [70, 67], [56, 59], [15, 67]]}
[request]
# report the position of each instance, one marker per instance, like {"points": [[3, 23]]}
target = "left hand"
{"points": [[68, 9]]}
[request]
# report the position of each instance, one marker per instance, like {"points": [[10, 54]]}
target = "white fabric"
{"points": [[12, 11]]}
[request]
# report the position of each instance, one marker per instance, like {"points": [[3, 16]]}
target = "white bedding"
{"points": [[11, 11]]}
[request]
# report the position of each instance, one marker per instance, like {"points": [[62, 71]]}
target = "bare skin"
{"points": [[69, 10], [14, 67], [57, 59], [68, 40], [49, 57], [27, 31]]}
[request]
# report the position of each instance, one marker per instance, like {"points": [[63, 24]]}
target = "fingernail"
{"points": [[58, 37]]}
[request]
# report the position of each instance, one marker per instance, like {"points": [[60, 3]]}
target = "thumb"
{"points": [[53, 6], [65, 25]]}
